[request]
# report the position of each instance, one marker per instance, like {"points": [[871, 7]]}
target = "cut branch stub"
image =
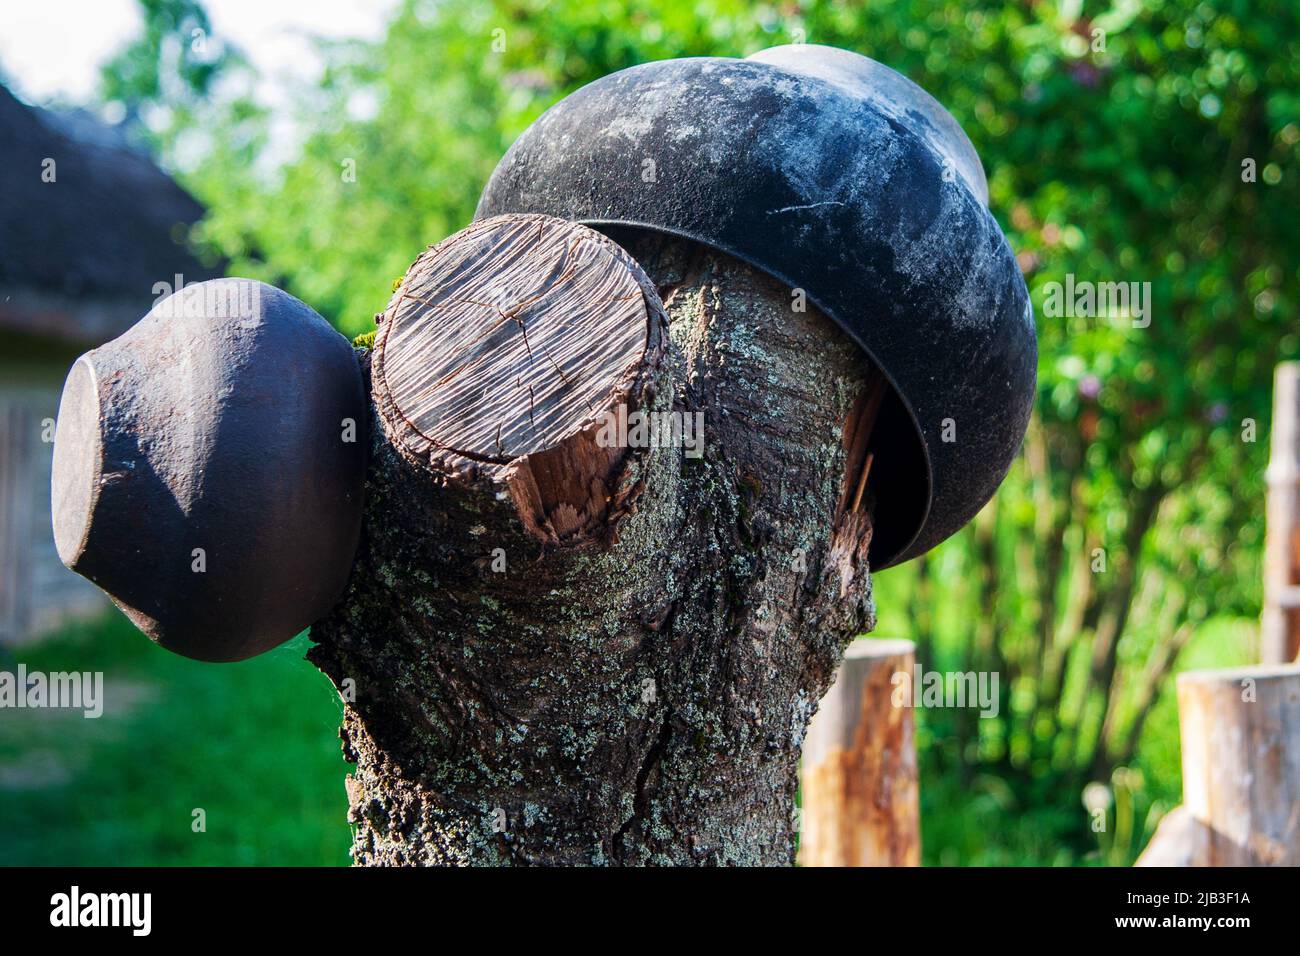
{"points": [[502, 354]]}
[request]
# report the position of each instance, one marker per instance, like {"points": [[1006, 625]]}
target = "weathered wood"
{"points": [[1280, 623], [857, 442], [1240, 731], [633, 691], [854, 528], [504, 349], [1174, 841], [861, 804], [502, 338]]}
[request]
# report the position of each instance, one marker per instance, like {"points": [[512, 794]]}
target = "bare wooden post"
{"points": [[1280, 625], [861, 805], [1241, 771]]}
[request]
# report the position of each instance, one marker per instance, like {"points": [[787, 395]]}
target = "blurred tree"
{"points": [[1119, 146], [169, 68], [1125, 142]]}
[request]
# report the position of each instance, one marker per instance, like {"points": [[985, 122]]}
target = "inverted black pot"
{"points": [[838, 176]]}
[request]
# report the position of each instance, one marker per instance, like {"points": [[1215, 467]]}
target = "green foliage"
{"points": [[1131, 527], [169, 69], [255, 745], [404, 134], [1134, 517]]}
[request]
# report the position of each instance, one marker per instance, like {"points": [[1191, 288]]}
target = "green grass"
{"points": [[988, 822], [254, 745]]}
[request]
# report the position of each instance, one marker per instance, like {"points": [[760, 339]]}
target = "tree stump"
{"points": [[555, 651], [1240, 733], [861, 804]]}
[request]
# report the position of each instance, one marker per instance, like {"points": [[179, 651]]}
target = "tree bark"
{"points": [[562, 654]]}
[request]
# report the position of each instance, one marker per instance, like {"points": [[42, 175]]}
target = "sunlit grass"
{"points": [[254, 745]]}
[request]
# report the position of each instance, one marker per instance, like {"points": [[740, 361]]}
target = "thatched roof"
{"points": [[109, 226]]}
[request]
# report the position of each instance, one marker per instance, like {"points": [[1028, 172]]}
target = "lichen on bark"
{"points": [[628, 698]]}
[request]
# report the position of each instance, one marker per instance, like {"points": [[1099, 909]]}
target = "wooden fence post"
{"points": [[861, 805], [1240, 733], [1280, 623]]}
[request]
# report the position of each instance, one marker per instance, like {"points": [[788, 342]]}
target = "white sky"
{"points": [[52, 48]]}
